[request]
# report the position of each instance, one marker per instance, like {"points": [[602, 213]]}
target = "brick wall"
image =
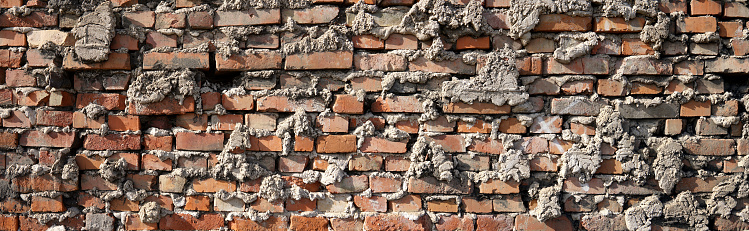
{"points": [[373, 115]]}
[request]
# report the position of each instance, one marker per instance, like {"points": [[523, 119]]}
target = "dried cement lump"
{"points": [[374, 115]]}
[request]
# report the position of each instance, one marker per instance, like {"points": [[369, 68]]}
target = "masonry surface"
{"points": [[374, 115]]}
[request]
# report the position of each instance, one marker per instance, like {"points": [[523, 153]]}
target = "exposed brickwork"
{"points": [[339, 115]]}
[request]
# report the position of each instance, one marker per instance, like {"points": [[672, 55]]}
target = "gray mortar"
{"points": [[112, 170], [154, 86], [685, 208], [547, 206], [427, 157], [638, 218], [495, 82], [667, 164], [94, 32], [585, 43]]}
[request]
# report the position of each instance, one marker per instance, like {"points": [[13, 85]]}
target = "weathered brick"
{"points": [[260, 60]]}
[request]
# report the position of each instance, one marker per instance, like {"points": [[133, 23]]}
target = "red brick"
{"points": [[381, 145], [12, 38], [740, 47], [163, 143], [8, 222], [499, 187], [387, 222], [44, 204], [115, 61], [560, 23], [167, 106], [6, 97], [547, 124], [238, 102], [124, 123], [10, 58], [286, 104], [468, 42], [619, 25], [696, 108], [8, 141], [710, 147], [198, 203], [261, 60], [273, 223], [211, 185], [248, 17], [200, 20], [397, 104], [123, 204], [54, 118], [401, 42], [636, 47], [509, 203], [124, 41], [540, 45], [730, 29], [573, 185], [478, 126], [347, 104], [112, 142], [36, 138], [133, 222], [698, 185], [371, 204], [527, 222], [671, 6], [199, 141], [512, 125], [109, 101], [140, 18], [705, 7], [530, 65], [35, 19], [476, 108], [368, 42], [207, 221], [697, 25], [312, 15], [333, 123], [346, 224], [380, 62], [610, 87], [266, 144], [309, 223], [93, 162], [449, 143], [33, 98], [499, 222], [152, 162]]}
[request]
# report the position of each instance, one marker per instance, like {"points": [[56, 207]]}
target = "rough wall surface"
{"points": [[374, 115]]}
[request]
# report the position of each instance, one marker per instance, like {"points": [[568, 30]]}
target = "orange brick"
{"points": [[368, 42], [695, 108], [561, 22], [705, 7], [468, 42]]}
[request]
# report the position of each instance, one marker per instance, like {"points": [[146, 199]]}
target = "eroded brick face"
{"points": [[374, 115]]}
